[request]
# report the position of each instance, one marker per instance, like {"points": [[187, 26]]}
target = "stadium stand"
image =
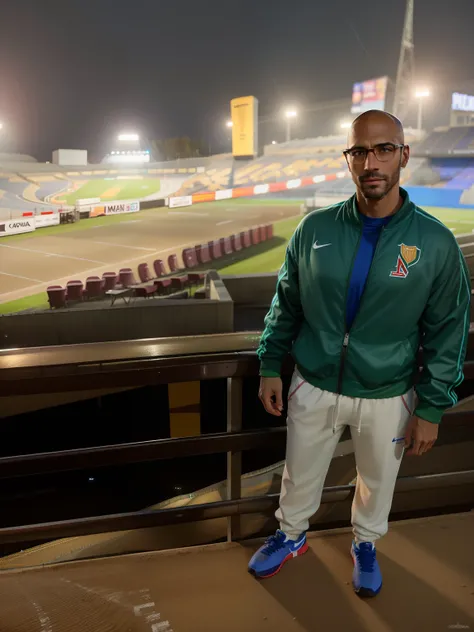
{"points": [[196, 261], [452, 141], [294, 159]]}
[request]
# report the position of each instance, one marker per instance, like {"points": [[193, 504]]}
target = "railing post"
{"points": [[234, 459]]}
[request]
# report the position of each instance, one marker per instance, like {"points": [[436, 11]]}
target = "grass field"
{"points": [[266, 258], [113, 189], [460, 222]]}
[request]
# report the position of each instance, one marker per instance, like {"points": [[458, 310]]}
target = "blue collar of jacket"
{"points": [[350, 213]]}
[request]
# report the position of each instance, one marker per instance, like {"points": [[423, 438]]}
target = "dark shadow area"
{"points": [[312, 595], [406, 603]]}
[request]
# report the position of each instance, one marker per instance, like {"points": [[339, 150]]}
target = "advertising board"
{"points": [[462, 102], [17, 226], [116, 208], [51, 219], [184, 200], [369, 95], [244, 114]]}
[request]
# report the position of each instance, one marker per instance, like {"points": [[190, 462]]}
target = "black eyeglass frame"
{"points": [[347, 152]]}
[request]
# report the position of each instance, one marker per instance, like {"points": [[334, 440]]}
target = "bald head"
{"points": [[376, 123], [376, 153]]}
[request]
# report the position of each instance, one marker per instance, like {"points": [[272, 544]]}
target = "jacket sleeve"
{"points": [[444, 330], [283, 320]]}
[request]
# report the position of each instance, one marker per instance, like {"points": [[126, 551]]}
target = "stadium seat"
{"points": [[269, 231], [110, 280], [178, 284], [126, 277], [159, 267], [145, 291], [236, 243], [173, 263], [94, 287], [226, 246], [255, 236], [144, 273], [202, 253], [74, 291], [56, 296], [163, 286], [263, 233], [190, 258], [196, 278], [245, 239], [215, 249]]}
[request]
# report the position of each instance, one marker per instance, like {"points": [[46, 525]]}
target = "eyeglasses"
{"points": [[383, 153]]}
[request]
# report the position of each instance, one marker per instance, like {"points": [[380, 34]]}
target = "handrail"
{"points": [[139, 363], [134, 350], [128, 350], [161, 361]]}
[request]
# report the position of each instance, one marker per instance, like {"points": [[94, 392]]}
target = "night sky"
{"points": [[73, 73]]}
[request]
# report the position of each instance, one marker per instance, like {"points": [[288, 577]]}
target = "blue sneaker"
{"points": [[277, 550], [366, 577]]}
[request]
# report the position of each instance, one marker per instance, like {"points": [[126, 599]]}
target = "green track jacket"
{"points": [[418, 293]]}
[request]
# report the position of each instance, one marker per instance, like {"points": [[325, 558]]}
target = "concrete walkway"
{"points": [[428, 568]]}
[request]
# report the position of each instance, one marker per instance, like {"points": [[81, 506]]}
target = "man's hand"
{"points": [[271, 388], [423, 433]]}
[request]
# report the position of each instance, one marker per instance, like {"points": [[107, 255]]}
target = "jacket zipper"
{"points": [[345, 343]]}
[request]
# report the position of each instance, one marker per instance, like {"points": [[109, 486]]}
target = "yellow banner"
{"points": [[244, 114]]}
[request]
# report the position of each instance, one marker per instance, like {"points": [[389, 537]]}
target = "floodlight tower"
{"points": [[406, 66]]}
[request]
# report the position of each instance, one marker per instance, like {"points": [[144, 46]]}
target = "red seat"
{"points": [[94, 287], [189, 258], [215, 249], [236, 243], [56, 296], [144, 273], [110, 280], [255, 236], [263, 233], [226, 246], [159, 267], [145, 291], [196, 278], [245, 239], [126, 277], [173, 263], [270, 231], [202, 253], [74, 290], [180, 283], [163, 286]]}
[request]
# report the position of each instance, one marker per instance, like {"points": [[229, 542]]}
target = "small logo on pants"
{"points": [[398, 440]]}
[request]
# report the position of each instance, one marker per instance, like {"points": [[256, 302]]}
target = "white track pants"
{"points": [[316, 421]]}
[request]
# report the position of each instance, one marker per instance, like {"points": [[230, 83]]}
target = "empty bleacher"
{"points": [[445, 142], [183, 277]]}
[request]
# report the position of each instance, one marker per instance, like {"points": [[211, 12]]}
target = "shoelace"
{"points": [[366, 557], [273, 544]]}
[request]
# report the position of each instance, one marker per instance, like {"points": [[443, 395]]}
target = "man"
{"points": [[364, 283]]}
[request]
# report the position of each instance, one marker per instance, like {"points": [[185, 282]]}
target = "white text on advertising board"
{"points": [[463, 102]]}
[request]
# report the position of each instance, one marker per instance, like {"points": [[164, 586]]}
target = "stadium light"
{"points": [[345, 124], [289, 115], [128, 137], [274, 142], [1, 125], [421, 94], [229, 124]]}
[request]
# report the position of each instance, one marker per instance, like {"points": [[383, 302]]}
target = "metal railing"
{"points": [[163, 361]]}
